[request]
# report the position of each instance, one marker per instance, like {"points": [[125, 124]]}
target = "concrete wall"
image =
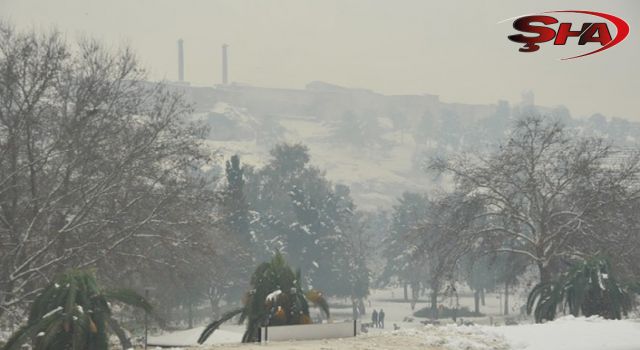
{"points": [[310, 331]]}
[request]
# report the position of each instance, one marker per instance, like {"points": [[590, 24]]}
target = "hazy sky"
{"points": [[456, 50]]}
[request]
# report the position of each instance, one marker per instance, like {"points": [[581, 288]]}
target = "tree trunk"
{"points": [[120, 333], [406, 292], [545, 273], [190, 313], [506, 298], [434, 304], [476, 300], [415, 291], [482, 296], [215, 308], [363, 309]]}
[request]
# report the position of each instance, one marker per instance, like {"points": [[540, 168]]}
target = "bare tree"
{"points": [[540, 190], [400, 246], [96, 165], [444, 237]]}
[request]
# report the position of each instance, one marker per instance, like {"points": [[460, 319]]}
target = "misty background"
{"points": [[456, 50], [401, 155]]}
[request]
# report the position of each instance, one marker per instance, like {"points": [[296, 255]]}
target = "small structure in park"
{"points": [[275, 298]]}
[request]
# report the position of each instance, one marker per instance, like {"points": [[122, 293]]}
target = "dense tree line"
{"points": [[100, 169], [97, 169], [297, 211], [544, 197]]}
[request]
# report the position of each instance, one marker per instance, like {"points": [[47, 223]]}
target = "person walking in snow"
{"points": [[374, 318], [381, 319]]}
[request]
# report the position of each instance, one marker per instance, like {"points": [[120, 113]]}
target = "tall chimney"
{"points": [[225, 75], [180, 61]]}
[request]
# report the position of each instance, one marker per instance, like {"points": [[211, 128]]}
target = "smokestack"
{"points": [[180, 61], [225, 76]]}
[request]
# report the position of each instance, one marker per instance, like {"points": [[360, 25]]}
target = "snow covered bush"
{"points": [[73, 313], [589, 288]]}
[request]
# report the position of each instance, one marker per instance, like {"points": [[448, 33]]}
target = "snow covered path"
{"points": [[567, 333], [189, 337], [431, 338]]}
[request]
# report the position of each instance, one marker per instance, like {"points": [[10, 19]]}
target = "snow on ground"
{"points": [[403, 339], [375, 175], [566, 333], [593, 333], [189, 337]]}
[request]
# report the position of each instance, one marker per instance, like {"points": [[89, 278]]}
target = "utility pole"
{"points": [[180, 60], [225, 68]]}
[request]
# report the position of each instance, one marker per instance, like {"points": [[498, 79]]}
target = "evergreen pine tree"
{"points": [[235, 203]]}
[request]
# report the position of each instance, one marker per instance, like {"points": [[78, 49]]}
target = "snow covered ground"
{"points": [[189, 337], [375, 175], [566, 333]]}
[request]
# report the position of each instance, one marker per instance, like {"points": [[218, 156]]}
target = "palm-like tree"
{"points": [[589, 288], [72, 313], [275, 298]]}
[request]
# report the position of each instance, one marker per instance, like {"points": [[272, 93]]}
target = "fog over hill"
{"points": [[376, 144]]}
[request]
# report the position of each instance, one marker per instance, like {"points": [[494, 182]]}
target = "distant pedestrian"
{"points": [[381, 319], [374, 318]]}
